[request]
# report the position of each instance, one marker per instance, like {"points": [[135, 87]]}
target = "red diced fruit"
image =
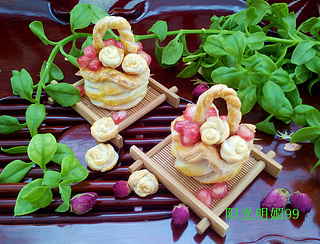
{"points": [[110, 42], [120, 45], [223, 117], [95, 64], [146, 56], [81, 89], [191, 130], [89, 52], [204, 195], [189, 112], [185, 141], [178, 126], [83, 61], [245, 133], [118, 116], [139, 46], [219, 190], [211, 112]]}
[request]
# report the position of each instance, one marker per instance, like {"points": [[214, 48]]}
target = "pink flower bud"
{"points": [[201, 88], [121, 189], [82, 203], [180, 214], [277, 198], [301, 201]]}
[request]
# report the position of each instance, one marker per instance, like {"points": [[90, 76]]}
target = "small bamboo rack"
{"points": [[160, 162], [156, 94]]}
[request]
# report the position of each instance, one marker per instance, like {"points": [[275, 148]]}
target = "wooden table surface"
{"points": [[20, 48]]}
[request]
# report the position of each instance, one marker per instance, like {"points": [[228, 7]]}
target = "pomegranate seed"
{"points": [[211, 112], [224, 117], [139, 46], [245, 133], [219, 190], [192, 130], [146, 56], [189, 112], [110, 42], [89, 52], [204, 195], [178, 126], [95, 64], [83, 61], [120, 45], [81, 89], [118, 116]]}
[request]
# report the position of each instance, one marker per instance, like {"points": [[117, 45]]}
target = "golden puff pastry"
{"points": [[101, 157], [104, 129], [143, 183], [110, 87], [219, 153]]}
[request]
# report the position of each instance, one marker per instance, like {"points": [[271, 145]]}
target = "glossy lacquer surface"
{"points": [[134, 219]]}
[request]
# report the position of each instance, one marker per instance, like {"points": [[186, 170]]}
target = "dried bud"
{"points": [[301, 201], [121, 189], [82, 203], [277, 198], [201, 88], [180, 214]]}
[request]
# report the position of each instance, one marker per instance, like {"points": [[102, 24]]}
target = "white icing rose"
{"points": [[101, 157], [134, 64], [143, 183], [111, 56], [214, 130], [104, 129], [234, 149]]}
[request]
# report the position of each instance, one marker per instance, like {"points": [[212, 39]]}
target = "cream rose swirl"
{"points": [[143, 183], [101, 157], [214, 130], [234, 149], [104, 129], [111, 56], [134, 64]]}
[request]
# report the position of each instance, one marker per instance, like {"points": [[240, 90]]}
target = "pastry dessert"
{"points": [[104, 129], [143, 183], [101, 157], [115, 73], [208, 147]]}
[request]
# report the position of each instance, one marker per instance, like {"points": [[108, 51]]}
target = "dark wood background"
{"points": [[112, 221]]}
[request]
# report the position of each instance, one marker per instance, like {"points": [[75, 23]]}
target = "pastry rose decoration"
{"points": [[234, 149], [134, 64], [101, 157], [104, 129], [143, 183], [214, 130], [111, 56]]}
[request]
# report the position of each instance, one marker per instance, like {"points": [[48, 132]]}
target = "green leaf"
{"points": [[289, 24], [311, 83], [172, 52], [303, 52], [22, 84], [248, 98], [256, 41], [41, 149], [160, 28], [65, 192], [80, 16], [63, 93], [98, 13], [54, 72], [294, 97], [37, 28], [235, 44], [51, 178], [305, 134], [282, 78], [315, 166], [228, 76], [39, 196], [35, 115], [299, 114], [62, 151], [14, 150], [314, 64], [158, 52], [9, 124], [214, 46], [15, 171], [189, 71], [266, 126], [72, 169], [313, 117], [22, 206], [273, 97], [302, 74]]}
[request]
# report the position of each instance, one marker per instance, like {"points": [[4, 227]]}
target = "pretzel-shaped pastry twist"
{"points": [[111, 88], [220, 154]]}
